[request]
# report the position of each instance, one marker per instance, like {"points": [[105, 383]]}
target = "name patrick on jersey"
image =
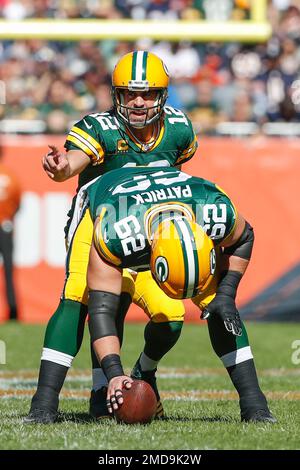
{"points": [[155, 195]]}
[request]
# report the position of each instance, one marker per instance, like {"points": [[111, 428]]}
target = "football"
{"points": [[139, 405]]}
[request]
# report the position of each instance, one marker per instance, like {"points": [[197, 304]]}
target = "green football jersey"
{"points": [[130, 200], [109, 145]]}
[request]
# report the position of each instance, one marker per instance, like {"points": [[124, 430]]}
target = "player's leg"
{"points": [[6, 234], [98, 408], [236, 355], [62, 341], [161, 332], [65, 329]]}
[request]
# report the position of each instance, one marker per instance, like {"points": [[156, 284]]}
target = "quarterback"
{"points": [[173, 223], [139, 130]]}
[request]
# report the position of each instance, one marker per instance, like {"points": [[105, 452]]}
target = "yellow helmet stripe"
{"points": [[139, 65]]}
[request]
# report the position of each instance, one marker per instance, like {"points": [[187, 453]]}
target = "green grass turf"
{"points": [[192, 423]]}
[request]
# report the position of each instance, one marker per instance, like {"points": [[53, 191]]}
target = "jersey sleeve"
{"points": [[189, 144], [83, 136], [103, 245], [219, 215], [231, 213]]}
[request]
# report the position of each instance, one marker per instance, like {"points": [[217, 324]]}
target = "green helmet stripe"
{"points": [[133, 69], [139, 65], [144, 73]]}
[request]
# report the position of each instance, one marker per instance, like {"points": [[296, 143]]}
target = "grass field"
{"points": [[200, 402]]}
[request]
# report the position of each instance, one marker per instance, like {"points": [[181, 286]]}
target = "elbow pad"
{"points": [[243, 247], [103, 309]]}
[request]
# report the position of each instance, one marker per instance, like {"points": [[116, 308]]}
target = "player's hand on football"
{"points": [[114, 396], [55, 163], [224, 306]]}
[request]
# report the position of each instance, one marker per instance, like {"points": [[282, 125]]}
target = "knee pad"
{"points": [[103, 310]]}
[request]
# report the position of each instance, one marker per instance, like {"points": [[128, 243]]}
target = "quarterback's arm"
{"points": [[62, 166], [104, 283], [234, 261]]}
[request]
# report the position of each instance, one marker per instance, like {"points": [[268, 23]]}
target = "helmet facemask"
{"points": [[123, 110]]}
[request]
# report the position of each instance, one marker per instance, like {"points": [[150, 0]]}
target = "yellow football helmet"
{"points": [[139, 71], [183, 259]]}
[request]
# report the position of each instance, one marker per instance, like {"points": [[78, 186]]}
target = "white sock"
{"points": [[99, 379], [147, 363], [56, 356]]}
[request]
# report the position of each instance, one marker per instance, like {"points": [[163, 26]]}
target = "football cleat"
{"points": [[39, 416], [140, 71], [260, 416], [149, 377], [183, 258], [98, 408]]}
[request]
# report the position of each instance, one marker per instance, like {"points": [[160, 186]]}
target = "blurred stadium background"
{"points": [[235, 69]]}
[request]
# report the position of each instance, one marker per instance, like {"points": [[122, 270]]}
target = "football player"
{"points": [[139, 130], [170, 221]]}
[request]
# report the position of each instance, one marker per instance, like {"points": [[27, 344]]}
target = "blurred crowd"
{"points": [[58, 82]]}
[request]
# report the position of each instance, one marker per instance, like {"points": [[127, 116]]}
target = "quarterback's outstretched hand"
{"points": [[56, 164], [224, 306]]}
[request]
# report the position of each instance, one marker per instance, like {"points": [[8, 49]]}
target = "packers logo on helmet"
{"points": [[140, 71], [161, 269], [183, 258]]}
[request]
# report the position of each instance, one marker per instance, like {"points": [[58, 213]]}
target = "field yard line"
{"points": [[196, 395], [164, 372]]}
